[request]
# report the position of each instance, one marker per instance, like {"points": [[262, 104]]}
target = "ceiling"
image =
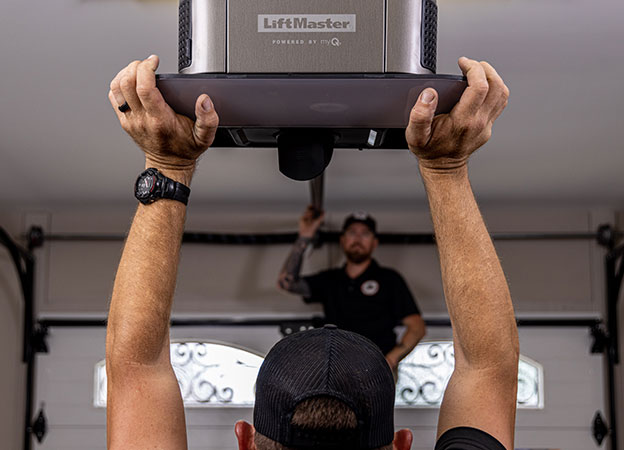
{"points": [[559, 141]]}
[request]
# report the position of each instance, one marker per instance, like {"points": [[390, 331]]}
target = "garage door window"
{"points": [[209, 374], [424, 374], [214, 374]]}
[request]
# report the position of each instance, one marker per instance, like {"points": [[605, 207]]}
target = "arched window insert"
{"points": [[218, 374], [424, 374], [209, 374]]}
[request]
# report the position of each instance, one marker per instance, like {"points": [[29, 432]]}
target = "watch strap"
{"points": [[161, 187], [174, 190]]}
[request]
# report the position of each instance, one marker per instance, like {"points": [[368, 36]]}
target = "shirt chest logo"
{"points": [[370, 287]]}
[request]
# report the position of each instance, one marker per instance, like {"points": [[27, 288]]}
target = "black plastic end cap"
{"points": [[303, 154]]}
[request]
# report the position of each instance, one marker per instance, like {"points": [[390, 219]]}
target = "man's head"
{"points": [[359, 237], [323, 389]]}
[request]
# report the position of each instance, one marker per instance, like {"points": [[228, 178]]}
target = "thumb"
{"points": [[421, 117], [206, 121], [153, 62]]}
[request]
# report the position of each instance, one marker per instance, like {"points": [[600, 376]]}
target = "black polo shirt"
{"points": [[371, 304]]}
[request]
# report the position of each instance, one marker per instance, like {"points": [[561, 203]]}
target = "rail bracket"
{"points": [[601, 339], [599, 428], [35, 237], [40, 426]]}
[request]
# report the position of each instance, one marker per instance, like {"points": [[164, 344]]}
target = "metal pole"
{"points": [[316, 200], [316, 191]]}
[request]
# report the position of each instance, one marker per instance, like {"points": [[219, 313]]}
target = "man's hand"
{"points": [[415, 330], [392, 362], [310, 222], [169, 140], [446, 141]]}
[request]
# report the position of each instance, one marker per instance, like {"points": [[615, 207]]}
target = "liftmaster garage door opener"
{"points": [[308, 76]]}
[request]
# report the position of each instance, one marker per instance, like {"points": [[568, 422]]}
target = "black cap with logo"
{"points": [[360, 217]]}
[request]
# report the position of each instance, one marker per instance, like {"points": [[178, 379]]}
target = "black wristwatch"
{"points": [[152, 185]]}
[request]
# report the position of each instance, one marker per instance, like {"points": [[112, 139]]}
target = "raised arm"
{"points": [[482, 389], [144, 406], [289, 279]]}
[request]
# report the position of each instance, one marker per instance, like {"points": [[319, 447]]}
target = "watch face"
{"points": [[145, 186]]}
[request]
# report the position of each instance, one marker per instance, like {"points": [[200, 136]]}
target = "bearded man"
{"points": [[361, 296]]}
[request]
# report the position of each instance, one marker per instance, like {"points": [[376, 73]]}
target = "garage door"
{"points": [[569, 389]]}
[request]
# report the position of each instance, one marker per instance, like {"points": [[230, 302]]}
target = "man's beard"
{"points": [[356, 256]]}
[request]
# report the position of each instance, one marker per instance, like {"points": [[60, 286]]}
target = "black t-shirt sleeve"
{"points": [[466, 438], [319, 285], [404, 303]]}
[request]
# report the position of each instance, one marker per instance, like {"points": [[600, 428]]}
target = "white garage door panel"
{"points": [[567, 370], [212, 439], [564, 438], [258, 339], [424, 437], [419, 418], [222, 417], [94, 438], [573, 391], [579, 416], [74, 438], [561, 343]]}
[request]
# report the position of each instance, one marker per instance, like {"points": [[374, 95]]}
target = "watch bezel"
{"points": [[154, 193], [162, 187]]}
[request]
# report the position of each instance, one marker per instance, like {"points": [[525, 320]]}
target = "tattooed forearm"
{"points": [[289, 276]]}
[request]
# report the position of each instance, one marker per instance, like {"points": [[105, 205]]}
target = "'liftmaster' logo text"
{"points": [[306, 23]]}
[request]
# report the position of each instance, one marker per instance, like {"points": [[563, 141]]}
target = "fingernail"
{"points": [[427, 96], [151, 57], [207, 104]]}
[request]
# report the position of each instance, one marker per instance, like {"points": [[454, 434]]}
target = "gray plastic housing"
{"points": [[302, 36], [363, 111]]}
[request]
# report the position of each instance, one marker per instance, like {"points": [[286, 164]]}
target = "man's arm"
{"points": [[144, 403], [289, 278], [482, 389], [415, 330], [144, 406]]}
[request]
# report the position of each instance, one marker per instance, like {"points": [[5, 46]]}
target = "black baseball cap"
{"points": [[326, 362], [361, 217]]}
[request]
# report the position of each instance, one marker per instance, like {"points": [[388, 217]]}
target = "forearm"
{"points": [[408, 342], [477, 295], [138, 322], [289, 277]]}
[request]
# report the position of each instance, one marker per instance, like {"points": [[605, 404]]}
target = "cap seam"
{"points": [[330, 358]]}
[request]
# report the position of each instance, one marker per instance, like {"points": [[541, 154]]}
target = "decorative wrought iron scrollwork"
{"points": [[215, 374], [208, 373], [424, 374]]}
